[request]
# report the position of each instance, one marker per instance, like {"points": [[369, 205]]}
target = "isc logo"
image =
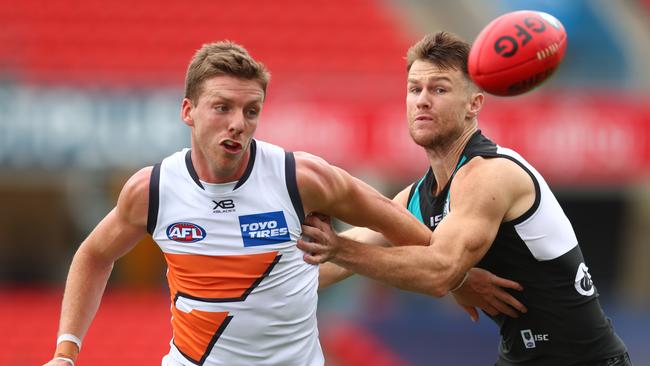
{"points": [[264, 228], [185, 232], [529, 338]]}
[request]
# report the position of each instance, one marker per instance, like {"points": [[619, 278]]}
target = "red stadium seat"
{"points": [[149, 42]]}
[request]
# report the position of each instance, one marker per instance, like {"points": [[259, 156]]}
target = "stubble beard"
{"points": [[436, 141]]}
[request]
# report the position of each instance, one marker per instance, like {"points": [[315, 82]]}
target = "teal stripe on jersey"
{"points": [[414, 204], [460, 163]]}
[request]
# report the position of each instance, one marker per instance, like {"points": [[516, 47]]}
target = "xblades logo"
{"points": [[223, 206], [583, 283]]}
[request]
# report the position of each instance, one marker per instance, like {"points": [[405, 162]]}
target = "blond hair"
{"points": [[443, 49], [222, 58]]}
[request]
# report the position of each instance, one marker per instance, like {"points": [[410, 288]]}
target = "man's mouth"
{"points": [[423, 117], [231, 146]]}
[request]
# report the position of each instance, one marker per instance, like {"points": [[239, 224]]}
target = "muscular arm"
{"points": [[484, 193], [91, 266], [332, 191], [331, 273]]}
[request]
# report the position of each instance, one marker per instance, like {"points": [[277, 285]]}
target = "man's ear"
{"points": [[186, 112], [475, 104]]}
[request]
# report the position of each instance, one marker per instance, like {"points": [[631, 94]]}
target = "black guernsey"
{"points": [[565, 324]]}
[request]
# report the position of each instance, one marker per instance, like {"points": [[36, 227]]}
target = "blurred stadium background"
{"points": [[90, 92]]}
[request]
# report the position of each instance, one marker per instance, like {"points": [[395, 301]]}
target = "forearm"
{"points": [[85, 285], [411, 268], [330, 273]]}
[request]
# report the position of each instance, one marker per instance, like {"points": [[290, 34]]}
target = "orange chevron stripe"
{"points": [[196, 332], [210, 279], [216, 277]]}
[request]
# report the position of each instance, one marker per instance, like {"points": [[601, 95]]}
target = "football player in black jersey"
{"points": [[489, 208]]}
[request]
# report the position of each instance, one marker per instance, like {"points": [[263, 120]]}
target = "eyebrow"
{"points": [[433, 78], [223, 98]]}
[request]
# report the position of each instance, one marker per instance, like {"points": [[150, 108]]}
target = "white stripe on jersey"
{"points": [[544, 244]]}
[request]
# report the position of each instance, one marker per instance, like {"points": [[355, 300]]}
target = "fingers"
{"points": [[313, 259], [322, 217], [503, 308], [505, 297], [314, 252], [473, 314], [490, 309], [308, 246], [502, 282], [315, 234], [317, 222]]}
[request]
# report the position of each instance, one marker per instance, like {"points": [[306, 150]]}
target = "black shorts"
{"points": [[620, 360]]}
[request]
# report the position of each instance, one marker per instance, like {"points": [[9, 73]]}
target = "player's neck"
{"points": [[444, 160], [213, 172]]}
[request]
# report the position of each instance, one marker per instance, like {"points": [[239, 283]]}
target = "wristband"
{"points": [[461, 282], [68, 360], [70, 338]]}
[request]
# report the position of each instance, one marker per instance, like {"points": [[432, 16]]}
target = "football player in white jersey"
{"points": [[233, 264]]}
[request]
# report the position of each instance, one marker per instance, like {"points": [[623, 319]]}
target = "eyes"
{"points": [[249, 112], [433, 90], [252, 112]]}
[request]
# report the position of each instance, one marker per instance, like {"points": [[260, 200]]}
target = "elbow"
{"points": [[436, 287], [444, 281], [87, 258], [438, 292]]}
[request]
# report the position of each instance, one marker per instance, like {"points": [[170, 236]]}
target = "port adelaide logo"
{"points": [[185, 232], [583, 283]]}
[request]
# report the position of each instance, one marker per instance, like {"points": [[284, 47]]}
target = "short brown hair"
{"points": [[222, 58], [443, 49]]}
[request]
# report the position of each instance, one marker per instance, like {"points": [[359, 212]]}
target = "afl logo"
{"points": [[185, 232]]}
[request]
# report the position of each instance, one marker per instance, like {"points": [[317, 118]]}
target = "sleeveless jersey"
{"points": [[241, 292], [564, 323]]}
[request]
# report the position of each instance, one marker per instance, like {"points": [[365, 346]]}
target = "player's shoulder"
{"points": [[320, 183], [138, 183], [313, 169], [490, 167], [492, 174], [307, 161], [402, 197], [133, 201]]}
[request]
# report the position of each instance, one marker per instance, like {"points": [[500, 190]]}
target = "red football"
{"points": [[516, 52]]}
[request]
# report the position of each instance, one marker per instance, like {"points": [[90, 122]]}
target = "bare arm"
{"points": [[329, 190], [93, 262], [331, 273], [458, 243]]}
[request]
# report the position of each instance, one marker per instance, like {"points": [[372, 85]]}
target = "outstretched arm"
{"points": [[331, 191], [93, 262], [458, 243], [330, 273], [482, 288]]}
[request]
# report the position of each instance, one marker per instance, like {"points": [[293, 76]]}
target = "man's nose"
{"points": [[424, 100], [236, 124]]}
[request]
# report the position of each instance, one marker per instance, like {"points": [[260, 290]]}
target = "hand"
{"points": [[486, 291], [323, 243], [58, 361]]}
